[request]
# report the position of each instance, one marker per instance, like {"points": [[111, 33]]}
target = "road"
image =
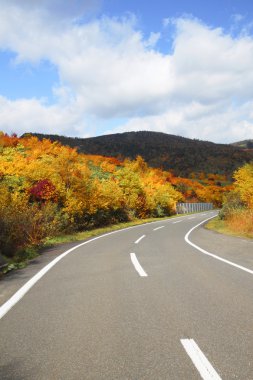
{"points": [[140, 304]]}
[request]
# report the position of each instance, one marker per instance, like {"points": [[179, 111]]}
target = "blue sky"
{"points": [[91, 67], [215, 13]]}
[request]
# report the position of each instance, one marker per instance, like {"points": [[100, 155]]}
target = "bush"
{"points": [[101, 218], [25, 225], [231, 203]]}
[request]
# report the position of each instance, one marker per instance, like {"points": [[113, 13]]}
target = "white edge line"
{"points": [[158, 228], [8, 305], [211, 254], [137, 265], [138, 240], [202, 364]]}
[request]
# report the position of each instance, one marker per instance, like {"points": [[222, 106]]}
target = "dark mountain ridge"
{"points": [[245, 144], [169, 152]]}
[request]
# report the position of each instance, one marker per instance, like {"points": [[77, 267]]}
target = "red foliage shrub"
{"points": [[43, 191]]}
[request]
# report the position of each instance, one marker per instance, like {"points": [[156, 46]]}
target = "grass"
{"points": [[30, 253], [77, 236], [229, 228]]}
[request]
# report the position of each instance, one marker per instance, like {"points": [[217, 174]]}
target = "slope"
{"points": [[169, 152]]}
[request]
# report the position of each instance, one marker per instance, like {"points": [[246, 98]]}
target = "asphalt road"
{"points": [[138, 304]]}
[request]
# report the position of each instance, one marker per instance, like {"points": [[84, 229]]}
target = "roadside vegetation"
{"points": [[49, 190], [236, 215]]}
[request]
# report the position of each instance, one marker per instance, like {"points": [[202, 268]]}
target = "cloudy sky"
{"points": [[91, 67]]}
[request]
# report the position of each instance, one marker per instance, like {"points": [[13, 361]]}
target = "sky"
{"points": [[85, 68]]}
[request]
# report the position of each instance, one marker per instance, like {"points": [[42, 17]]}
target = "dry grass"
{"points": [[239, 223]]}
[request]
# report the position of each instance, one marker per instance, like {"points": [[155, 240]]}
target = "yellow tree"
{"points": [[244, 184]]}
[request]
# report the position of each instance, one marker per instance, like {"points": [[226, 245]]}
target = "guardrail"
{"points": [[185, 208]]}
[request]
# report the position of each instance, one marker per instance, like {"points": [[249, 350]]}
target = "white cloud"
{"points": [[206, 122], [31, 115], [108, 70], [153, 39]]}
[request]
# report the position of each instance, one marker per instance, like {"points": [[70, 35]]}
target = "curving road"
{"points": [[157, 301]]}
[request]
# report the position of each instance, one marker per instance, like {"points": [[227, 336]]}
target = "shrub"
{"points": [[24, 225], [231, 203]]}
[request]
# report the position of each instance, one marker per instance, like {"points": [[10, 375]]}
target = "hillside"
{"points": [[245, 144], [180, 154]]}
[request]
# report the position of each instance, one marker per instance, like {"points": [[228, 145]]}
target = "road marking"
{"points": [[29, 284], [158, 228], [137, 265], [8, 305], [179, 221], [206, 370], [212, 254], [193, 217], [138, 240]]}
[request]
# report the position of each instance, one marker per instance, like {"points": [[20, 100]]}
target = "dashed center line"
{"points": [[158, 228], [137, 265], [206, 370], [138, 240], [179, 221], [193, 217]]}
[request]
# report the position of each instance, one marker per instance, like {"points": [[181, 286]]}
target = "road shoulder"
{"points": [[236, 249], [14, 280]]}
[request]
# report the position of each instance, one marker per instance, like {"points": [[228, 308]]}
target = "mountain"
{"points": [[245, 144], [169, 152]]}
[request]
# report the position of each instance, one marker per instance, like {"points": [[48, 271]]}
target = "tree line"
{"points": [[161, 150], [47, 189]]}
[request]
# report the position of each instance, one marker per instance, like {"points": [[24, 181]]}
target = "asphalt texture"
{"points": [[93, 317]]}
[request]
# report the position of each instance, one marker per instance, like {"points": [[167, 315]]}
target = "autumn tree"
{"points": [[244, 184]]}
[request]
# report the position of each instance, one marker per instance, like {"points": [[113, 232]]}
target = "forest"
{"points": [[47, 189], [161, 150]]}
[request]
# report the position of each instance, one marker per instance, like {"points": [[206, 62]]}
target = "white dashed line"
{"points": [[138, 240], [179, 221], [193, 217], [206, 370], [137, 265], [158, 228], [8, 305]]}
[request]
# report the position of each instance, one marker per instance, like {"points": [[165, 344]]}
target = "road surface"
{"points": [[149, 302]]}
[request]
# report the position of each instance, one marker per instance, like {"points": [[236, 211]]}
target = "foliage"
{"points": [[43, 191], [231, 203], [23, 224], [160, 150], [48, 189], [244, 184], [241, 221], [237, 210]]}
